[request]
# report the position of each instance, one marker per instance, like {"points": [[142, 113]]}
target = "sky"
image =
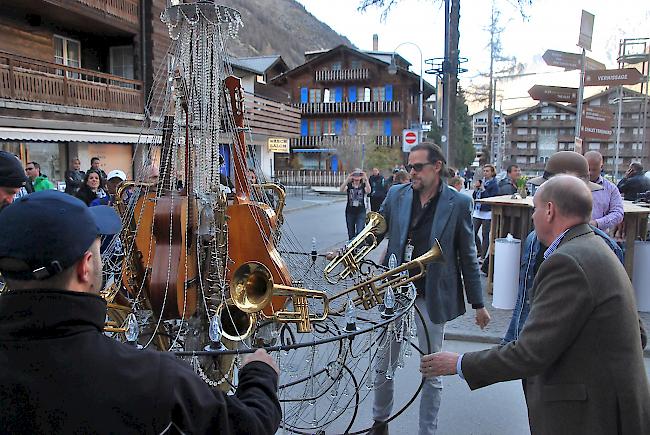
{"points": [[551, 24]]}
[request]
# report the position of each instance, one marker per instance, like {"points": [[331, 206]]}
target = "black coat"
{"points": [[60, 374], [632, 186], [74, 180]]}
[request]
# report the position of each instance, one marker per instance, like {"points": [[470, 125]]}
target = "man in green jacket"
{"points": [[40, 182]]}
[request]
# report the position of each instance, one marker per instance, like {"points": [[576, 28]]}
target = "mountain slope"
{"points": [[281, 27]]}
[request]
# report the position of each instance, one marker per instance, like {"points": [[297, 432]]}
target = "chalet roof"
{"points": [[372, 56], [258, 64], [613, 90], [485, 110], [568, 109]]}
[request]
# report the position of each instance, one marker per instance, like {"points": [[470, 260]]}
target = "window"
{"points": [[326, 96], [379, 94], [315, 128], [523, 117], [635, 131], [533, 145], [122, 61], [533, 131], [594, 146], [562, 116], [336, 66], [363, 94], [521, 159], [522, 131], [634, 115], [315, 96], [532, 160], [355, 64], [67, 52], [522, 145]]}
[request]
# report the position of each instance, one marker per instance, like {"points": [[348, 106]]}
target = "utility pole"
{"points": [[487, 152], [444, 138], [454, 33]]}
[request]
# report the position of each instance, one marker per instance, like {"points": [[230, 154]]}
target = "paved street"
{"points": [[498, 409]]}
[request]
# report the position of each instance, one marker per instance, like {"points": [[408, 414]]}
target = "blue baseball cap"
{"points": [[47, 232]]}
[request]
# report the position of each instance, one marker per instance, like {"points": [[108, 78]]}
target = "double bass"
{"points": [[250, 223]]}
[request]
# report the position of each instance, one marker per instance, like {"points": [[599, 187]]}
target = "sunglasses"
{"points": [[417, 166]]}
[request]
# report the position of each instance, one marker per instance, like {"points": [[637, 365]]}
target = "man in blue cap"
{"points": [[12, 178], [60, 374]]}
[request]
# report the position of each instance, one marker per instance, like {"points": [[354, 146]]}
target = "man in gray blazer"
{"points": [[417, 214], [580, 351]]}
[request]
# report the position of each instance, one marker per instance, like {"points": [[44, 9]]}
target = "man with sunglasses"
{"points": [[418, 213]]}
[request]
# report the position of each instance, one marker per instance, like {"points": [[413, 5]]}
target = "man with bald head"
{"points": [[607, 210], [579, 351]]}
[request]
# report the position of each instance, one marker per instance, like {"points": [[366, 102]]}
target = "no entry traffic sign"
{"points": [[409, 139]]}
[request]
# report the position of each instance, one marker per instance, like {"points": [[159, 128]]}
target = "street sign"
{"points": [[278, 145], [569, 61], [586, 30], [596, 123], [577, 145], [553, 93], [604, 77], [409, 139]]}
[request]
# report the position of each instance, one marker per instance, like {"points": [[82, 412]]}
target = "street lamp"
{"points": [[392, 70]]}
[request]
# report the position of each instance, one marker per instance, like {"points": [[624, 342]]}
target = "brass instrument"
{"points": [[251, 291], [370, 294], [356, 249], [281, 197]]}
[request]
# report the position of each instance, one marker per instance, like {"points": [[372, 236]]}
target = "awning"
{"points": [[49, 135], [314, 150]]}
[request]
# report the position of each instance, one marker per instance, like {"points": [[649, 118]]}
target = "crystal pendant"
{"points": [[389, 302], [350, 317]]}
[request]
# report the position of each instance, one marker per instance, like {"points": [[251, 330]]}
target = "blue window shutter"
{"points": [[352, 127], [304, 128], [352, 94], [338, 126], [389, 92], [338, 95], [304, 95], [388, 127]]}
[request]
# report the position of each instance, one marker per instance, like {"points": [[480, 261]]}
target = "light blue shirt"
{"points": [[553, 246]]}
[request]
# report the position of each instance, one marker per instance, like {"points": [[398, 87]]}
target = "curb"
{"points": [[493, 339]]}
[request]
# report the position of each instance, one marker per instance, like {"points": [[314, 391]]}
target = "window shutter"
{"points": [[338, 126], [304, 95], [352, 127], [304, 128], [389, 93], [388, 127], [352, 94], [338, 95]]}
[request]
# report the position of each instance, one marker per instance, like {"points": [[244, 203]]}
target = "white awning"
{"points": [[49, 135]]}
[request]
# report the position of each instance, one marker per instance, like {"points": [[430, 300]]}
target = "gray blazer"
{"points": [[452, 226], [580, 350]]}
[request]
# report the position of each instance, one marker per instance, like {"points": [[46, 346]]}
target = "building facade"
{"points": [[350, 103]]}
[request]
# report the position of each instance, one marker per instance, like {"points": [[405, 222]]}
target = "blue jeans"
{"points": [[355, 220], [431, 390]]}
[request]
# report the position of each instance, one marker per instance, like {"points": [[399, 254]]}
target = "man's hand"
{"points": [[482, 317], [262, 356], [437, 364]]}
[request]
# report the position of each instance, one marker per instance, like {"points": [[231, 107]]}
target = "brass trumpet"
{"points": [[370, 294], [251, 291], [356, 249]]}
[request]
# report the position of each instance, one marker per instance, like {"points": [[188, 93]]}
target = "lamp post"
{"points": [[392, 70]]}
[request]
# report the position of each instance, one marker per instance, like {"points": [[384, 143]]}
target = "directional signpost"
{"points": [[553, 93], [569, 61], [605, 77], [596, 123]]}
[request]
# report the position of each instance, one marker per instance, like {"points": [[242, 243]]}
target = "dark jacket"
{"points": [[452, 226], [631, 187], [579, 350], [73, 181], [60, 374], [506, 186], [490, 188], [378, 186]]}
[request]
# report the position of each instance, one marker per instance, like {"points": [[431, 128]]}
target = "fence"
{"points": [[311, 178]]}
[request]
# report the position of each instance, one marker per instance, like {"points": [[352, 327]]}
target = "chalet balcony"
{"points": [[544, 123], [36, 81], [126, 10], [342, 141], [342, 75], [357, 107], [521, 151]]}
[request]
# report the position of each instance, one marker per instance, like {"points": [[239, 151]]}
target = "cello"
{"points": [[173, 287], [250, 223]]}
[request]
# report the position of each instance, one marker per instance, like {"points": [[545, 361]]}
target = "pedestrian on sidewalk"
{"points": [[38, 180], [580, 353], [95, 164], [74, 177], [378, 188], [482, 215], [357, 187], [418, 214], [94, 187], [12, 178]]}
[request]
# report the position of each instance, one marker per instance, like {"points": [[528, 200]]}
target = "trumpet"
{"points": [[356, 249], [251, 291], [369, 293]]}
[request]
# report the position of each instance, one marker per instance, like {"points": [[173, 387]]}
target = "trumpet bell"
{"points": [[377, 223], [251, 288], [236, 325]]}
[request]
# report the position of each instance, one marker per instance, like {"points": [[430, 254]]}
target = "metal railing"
{"points": [[307, 177]]}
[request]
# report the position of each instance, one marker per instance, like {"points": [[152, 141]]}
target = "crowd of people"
{"points": [[575, 338]]}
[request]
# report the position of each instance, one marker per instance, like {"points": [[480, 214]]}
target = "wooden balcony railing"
{"points": [[352, 107], [32, 80], [342, 75], [341, 141], [127, 10]]}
